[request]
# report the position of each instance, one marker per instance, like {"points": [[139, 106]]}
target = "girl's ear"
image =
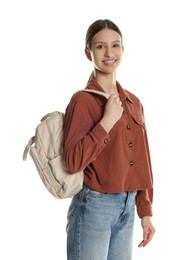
{"points": [[88, 55]]}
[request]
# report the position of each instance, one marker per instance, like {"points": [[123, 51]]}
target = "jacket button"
{"points": [[105, 141], [128, 127], [131, 163], [130, 144]]}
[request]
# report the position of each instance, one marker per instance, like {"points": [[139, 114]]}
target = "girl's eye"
{"points": [[100, 46], [116, 45]]}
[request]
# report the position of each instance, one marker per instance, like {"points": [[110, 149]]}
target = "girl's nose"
{"points": [[108, 52]]}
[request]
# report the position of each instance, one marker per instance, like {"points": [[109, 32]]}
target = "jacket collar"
{"points": [[124, 94]]}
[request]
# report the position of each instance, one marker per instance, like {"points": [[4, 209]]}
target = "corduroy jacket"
{"points": [[113, 162]]}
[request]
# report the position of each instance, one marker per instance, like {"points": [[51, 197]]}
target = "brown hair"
{"points": [[97, 26]]}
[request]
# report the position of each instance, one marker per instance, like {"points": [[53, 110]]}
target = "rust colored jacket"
{"points": [[114, 162]]}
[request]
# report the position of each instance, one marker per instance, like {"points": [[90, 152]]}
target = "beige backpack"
{"points": [[46, 149]]}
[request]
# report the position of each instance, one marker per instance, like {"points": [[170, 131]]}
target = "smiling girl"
{"points": [[108, 139]]}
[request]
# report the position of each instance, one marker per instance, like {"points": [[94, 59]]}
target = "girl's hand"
{"points": [[148, 231], [113, 112]]}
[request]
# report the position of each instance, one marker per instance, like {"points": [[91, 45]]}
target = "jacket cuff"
{"points": [[100, 135], [145, 211]]}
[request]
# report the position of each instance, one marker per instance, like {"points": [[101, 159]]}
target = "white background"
{"points": [[42, 63]]}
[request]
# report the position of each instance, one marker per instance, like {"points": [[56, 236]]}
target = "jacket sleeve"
{"points": [[144, 198], [144, 201], [84, 138]]}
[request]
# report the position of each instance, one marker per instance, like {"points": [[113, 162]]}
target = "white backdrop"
{"points": [[42, 63]]}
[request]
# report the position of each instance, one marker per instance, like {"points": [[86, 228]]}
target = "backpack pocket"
{"points": [[71, 183], [50, 182]]}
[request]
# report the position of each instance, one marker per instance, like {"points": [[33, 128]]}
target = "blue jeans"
{"points": [[100, 225]]}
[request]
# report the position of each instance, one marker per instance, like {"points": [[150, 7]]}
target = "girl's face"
{"points": [[106, 51]]}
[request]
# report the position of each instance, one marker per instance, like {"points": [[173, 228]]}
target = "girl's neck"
{"points": [[107, 82]]}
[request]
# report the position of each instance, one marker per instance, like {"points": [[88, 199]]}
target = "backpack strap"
{"points": [[31, 141], [97, 92]]}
